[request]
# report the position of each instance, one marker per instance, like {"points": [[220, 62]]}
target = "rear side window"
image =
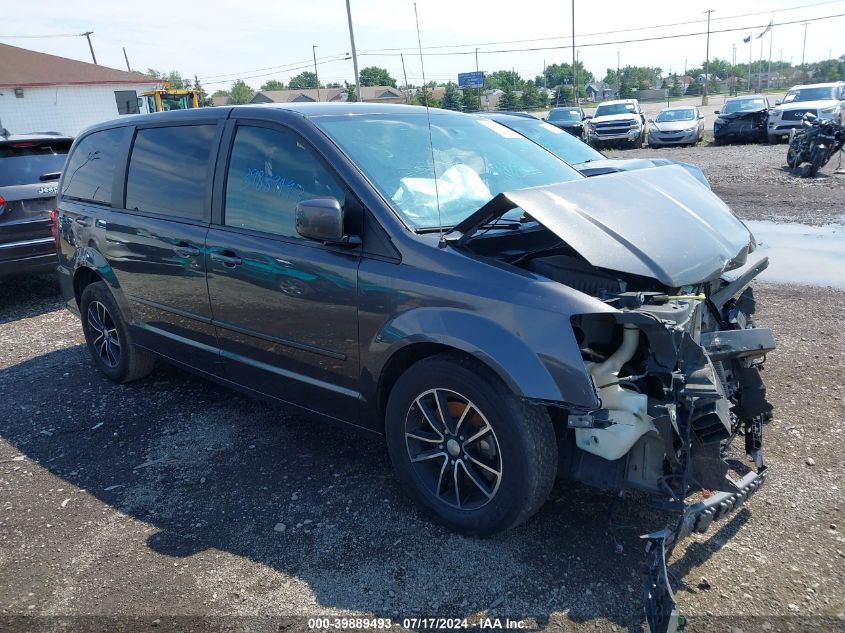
{"points": [[269, 172], [90, 169], [26, 162], [169, 171]]}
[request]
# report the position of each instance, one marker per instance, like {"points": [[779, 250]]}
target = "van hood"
{"points": [[658, 223]]}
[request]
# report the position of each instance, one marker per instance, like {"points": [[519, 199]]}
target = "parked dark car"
{"points": [[30, 166], [569, 119], [742, 119], [500, 319], [583, 157]]}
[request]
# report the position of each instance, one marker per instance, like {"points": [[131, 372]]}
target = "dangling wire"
{"points": [[442, 242]]}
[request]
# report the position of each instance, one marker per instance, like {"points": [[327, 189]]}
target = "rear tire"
{"points": [[478, 486], [774, 139], [108, 337], [816, 163]]}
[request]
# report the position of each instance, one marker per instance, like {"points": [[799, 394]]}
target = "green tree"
{"points": [[563, 96], [272, 84], [174, 78], [425, 97], [713, 85], [451, 97], [470, 101], [333, 84], [694, 89], [501, 78], [676, 89], [625, 88], [557, 74], [305, 79], [508, 100], [202, 95], [530, 96], [375, 76], [351, 95], [240, 93], [220, 93]]}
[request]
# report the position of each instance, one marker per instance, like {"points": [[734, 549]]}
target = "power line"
{"points": [[631, 41], [281, 68], [626, 30]]}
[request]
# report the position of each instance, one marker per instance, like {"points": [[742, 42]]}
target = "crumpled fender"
{"points": [[88, 257]]}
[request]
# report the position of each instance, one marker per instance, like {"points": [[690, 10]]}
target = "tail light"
{"points": [[54, 228], [2, 201]]}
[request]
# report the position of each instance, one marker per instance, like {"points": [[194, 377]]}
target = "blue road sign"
{"points": [[471, 80]]}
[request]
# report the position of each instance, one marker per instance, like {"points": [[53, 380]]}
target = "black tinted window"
{"points": [[127, 101], [269, 172], [168, 171], [26, 162], [90, 169]]}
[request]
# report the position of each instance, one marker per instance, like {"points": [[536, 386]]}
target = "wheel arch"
{"points": [[529, 373]]}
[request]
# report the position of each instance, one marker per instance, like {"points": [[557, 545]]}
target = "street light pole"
{"points": [[354, 54], [316, 76], [706, 60]]}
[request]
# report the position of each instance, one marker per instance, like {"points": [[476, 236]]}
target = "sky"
{"points": [[259, 40]]}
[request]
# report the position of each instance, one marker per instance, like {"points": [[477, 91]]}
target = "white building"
{"points": [[46, 93]]}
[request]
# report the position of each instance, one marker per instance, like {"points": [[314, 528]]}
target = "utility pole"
{"points": [[127, 60], [316, 76], [706, 60], [749, 61], [480, 87], [354, 54], [804, 47], [88, 35], [733, 72], [574, 72], [404, 74], [618, 78]]}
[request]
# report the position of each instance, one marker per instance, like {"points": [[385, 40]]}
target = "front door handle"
{"points": [[186, 250], [227, 258]]}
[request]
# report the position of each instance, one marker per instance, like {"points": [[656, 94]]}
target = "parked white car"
{"points": [[676, 126], [620, 122], [826, 101]]}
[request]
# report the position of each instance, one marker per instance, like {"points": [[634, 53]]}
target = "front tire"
{"points": [[471, 454], [108, 337], [773, 139]]}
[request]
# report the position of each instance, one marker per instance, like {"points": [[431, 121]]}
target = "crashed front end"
{"points": [[680, 388], [673, 353]]}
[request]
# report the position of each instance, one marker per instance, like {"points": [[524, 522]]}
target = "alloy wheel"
{"points": [[453, 449], [104, 336]]}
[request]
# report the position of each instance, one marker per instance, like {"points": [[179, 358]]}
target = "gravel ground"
{"points": [[755, 181], [174, 497]]}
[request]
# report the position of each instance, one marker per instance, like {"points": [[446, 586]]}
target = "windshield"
{"points": [[558, 142], [744, 105], [666, 116], [809, 94], [615, 108], [175, 102], [565, 114], [475, 159], [24, 163]]}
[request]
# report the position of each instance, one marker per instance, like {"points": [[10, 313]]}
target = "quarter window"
{"points": [[89, 172], [168, 171], [270, 171]]}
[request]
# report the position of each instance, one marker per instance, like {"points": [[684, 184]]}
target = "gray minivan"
{"points": [[436, 279]]}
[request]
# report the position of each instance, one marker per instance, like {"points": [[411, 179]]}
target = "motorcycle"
{"points": [[815, 143]]}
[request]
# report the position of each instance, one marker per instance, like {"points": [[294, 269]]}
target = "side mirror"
{"points": [[321, 220], [778, 102], [716, 111], [701, 116], [651, 120]]}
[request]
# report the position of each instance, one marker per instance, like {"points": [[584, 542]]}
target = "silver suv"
{"points": [[617, 122], [826, 101]]}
